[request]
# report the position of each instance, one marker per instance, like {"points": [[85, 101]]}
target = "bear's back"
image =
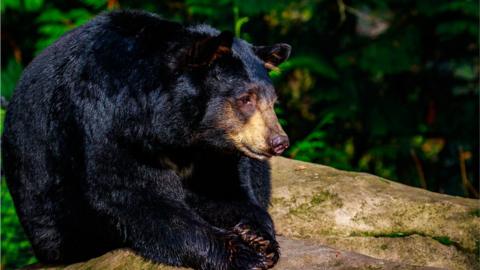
{"points": [[113, 41], [113, 51]]}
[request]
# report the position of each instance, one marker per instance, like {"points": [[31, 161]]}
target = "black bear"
{"points": [[133, 131]]}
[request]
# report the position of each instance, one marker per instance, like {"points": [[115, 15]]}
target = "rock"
{"points": [[302, 254], [373, 216], [393, 225], [296, 255]]}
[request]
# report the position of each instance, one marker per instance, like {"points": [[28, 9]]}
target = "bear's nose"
{"points": [[279, 143]]}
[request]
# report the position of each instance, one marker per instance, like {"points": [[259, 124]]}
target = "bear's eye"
{"points": [[246, 103], [246, 99]]}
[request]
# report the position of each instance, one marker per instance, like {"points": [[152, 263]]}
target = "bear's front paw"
{"points": [[261, 242], [242, 256]]}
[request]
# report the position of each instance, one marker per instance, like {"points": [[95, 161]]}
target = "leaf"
{"points": [[97, 4], [53, 30], [309, 147], [208, 8], [51, 15], [2, 119], [10, 75], [54, 23], [11, 4], [465, 71], [312, 63], [33, 5], [206, 11], [255, 7], [238, 25], [457, 27], [79, 16]]}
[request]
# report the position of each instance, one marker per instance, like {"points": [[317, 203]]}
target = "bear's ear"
{"points": [[273, 55], [205, 51]]}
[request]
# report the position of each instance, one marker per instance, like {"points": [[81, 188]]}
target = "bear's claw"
{"points": [[268, 248], [243, 256]]}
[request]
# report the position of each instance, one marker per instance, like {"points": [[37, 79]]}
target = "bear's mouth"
{"points": [[253, 153]]}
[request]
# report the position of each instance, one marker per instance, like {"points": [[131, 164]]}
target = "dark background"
{"points": [[385, 87]]}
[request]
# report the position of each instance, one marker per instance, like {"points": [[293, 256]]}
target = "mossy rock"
{"points": [[332, 219], [374, 216]]}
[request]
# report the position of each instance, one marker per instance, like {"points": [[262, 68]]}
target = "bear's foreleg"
{"points": [[168, 231], [247, 219]]}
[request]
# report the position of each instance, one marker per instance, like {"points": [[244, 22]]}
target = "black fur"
{"points": [[111, 141]]}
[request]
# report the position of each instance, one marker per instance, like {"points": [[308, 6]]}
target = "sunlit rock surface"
{"points": [[370, 215], [327, 219]]}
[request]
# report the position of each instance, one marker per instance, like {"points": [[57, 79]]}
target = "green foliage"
{"points": [[315, 146], [9, 77], [53, 23], [377, 57], [12, 4], [2, 117], [312, 63], [26, 5], [435, 8], [386, 87], [96, 4]]}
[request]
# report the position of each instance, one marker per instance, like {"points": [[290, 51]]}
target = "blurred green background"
{"points": [[385, 87]]}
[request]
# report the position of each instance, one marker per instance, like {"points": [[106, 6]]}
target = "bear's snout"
{"points": [[278, 144]]}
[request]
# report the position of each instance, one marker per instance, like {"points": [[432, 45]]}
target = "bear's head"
{"points": [[239, 96]]}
